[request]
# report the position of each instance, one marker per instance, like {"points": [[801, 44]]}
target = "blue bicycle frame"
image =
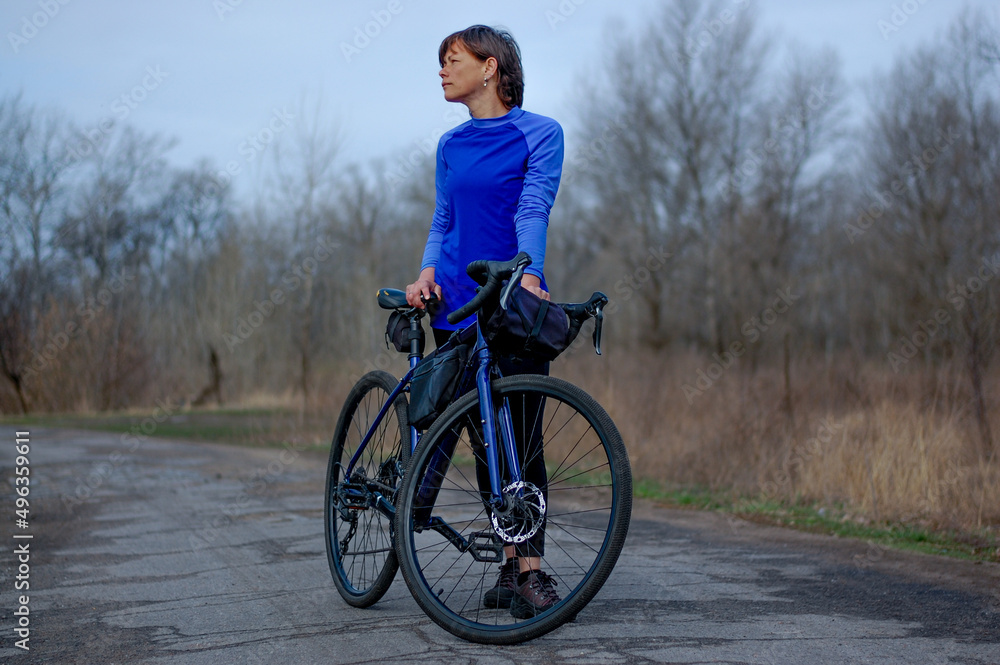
{"points": [[484, 366]]}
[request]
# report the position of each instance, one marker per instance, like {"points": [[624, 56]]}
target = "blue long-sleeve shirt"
{"points": [[495, 183]]}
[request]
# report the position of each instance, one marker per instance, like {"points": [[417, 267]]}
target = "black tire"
{"points": [[363, 561], [588, 498]]}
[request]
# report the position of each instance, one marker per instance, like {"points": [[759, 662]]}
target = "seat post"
{"points": [[416, 341]]}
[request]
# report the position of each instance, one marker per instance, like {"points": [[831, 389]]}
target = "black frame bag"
{"points": [[529, 329], [434, 384]]}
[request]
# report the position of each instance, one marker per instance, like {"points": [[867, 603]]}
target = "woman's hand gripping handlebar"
{"points": [[490, 276]]}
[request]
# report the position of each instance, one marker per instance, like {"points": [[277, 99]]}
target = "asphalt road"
{"points": [[170, 552]]}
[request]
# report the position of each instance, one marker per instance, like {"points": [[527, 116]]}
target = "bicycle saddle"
{"points": [[391, 298]]}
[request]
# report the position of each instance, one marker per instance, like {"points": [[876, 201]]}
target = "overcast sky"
{"points": [[214, 72]]}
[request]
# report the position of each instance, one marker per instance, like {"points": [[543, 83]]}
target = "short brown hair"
{"points": [[484, 42]]}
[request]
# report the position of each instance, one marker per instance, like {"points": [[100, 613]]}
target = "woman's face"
{"points": [[462, 74]]}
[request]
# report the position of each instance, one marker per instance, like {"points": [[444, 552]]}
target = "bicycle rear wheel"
{"points": [[449, 551], [357, 510]]}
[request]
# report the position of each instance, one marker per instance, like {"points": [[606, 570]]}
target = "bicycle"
{"points": [[449, 524]]}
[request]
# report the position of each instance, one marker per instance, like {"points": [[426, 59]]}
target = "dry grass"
{"points": [[871, 446], [878, 445], [875, 445]]}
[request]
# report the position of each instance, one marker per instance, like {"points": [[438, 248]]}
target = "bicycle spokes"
{"points": [[569, 510], [359, 508]]}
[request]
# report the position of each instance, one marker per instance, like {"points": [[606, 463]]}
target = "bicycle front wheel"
{"points": [[570, 510], [358, 508]]}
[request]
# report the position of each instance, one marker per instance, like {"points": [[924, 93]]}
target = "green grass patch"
{"points": [[247, 427], [979, 545]]}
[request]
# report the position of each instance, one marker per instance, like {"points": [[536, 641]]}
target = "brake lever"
{"points": [[515, 281], [431, 302], [598, 326]]}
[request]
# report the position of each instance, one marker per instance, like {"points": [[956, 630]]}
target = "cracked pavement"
{"points": [[194, 553]]}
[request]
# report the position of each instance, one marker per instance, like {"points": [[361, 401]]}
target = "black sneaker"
{"points": [[503, 592], [536, 595]]}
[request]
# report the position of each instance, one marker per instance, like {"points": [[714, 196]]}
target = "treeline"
{"points": [[732, 194]]}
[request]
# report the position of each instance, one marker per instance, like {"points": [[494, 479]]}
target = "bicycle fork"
{"points": [[496, 428], [490, 439]]}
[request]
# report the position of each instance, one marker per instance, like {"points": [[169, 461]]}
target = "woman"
{"points": [[497, 177]]}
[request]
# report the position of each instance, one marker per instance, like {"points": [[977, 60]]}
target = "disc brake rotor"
{"points": [[524, 514]]}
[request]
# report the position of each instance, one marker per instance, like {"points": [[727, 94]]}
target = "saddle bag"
{"points": [[397, 333]]}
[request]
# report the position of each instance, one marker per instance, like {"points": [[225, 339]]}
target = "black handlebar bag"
{"points": [[529, 329]]}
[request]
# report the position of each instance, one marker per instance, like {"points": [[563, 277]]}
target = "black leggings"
{"points": [[526, 418]]}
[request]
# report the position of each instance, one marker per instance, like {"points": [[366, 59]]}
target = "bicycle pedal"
{"points": [[487, 552], [354, 496]]}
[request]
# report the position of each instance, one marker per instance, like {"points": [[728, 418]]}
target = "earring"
{"points": [[485, 81]]}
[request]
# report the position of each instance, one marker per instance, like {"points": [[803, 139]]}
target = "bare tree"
{"points": [[109, 236], [662, 130], [114, 218], [32, 174], [34, 167], [775, 212], [694, 156], [304, 178], [15, 347], [196, 213], [935, 167]]}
